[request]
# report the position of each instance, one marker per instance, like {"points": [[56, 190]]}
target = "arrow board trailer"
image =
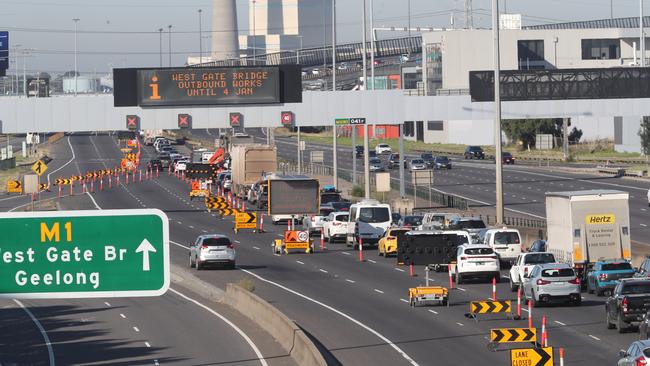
{"points": [[293, 195], [588, 226], [84, 254]]}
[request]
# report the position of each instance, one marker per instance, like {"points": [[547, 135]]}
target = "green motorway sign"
{"points": [[78, 254]]}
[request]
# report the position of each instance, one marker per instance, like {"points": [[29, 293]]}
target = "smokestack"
{"points": [[225, 41]]}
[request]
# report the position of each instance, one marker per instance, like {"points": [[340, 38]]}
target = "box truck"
{"points": [[588, 226], [249, 163]]}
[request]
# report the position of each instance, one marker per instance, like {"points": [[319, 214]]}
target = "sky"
{"points": [[123, 33]]}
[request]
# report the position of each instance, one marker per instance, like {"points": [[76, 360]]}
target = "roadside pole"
{"points": [[366, 167], [565, 139], [299, 157], [335, 157], [354, 154], [402, 187], [497, 113]]}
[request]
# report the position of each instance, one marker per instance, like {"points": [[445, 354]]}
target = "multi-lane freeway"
{"points": [[357, 311]]}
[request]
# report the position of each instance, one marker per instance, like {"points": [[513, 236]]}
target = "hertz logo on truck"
{"points": [[600, 219]]}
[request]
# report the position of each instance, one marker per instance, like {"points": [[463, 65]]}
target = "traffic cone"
{"points": [[410, 269]]}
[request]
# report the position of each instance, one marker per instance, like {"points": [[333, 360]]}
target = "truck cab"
{"points": [[368, 222]]}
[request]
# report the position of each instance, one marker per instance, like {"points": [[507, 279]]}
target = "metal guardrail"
{"points": [[317, 56], [515, 221]]}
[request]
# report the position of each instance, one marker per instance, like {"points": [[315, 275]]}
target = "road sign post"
{"points": [[84, 254]]}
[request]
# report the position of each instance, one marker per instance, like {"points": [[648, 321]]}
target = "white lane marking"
{"points": [[178, 222], [259, 355], [433, 311], [350, 280], [560, 323], [123, 316], [155, 362], [404, 300], [204, 231], [379, 291], [136, 329], [64, 165], [399, 269], [644, 225], [147, 344], [346, 253], [322, 270], [277, 255], [237, 241], [594, 337], [371, 261], [643, 209], [191, 227], [107, 304], [299, 262], [506, 276], [48, 344], [459, 324], [462, 289], [256, 248], [280, 235], [328, 307]]}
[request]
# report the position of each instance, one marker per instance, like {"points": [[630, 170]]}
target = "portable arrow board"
{"points": [[510, 335], [532, 356], [246, 220], [84, 254]]}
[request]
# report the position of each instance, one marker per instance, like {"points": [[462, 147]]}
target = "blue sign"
{"points": [[4, 50]]}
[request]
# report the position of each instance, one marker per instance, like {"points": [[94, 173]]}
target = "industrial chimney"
{"points": [[225, 42]]}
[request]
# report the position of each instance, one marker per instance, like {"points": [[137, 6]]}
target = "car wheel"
{"points": [[199, 266], [513, 286], [589, 289], [599, 292], [192, 264], [621, 325], [608, 321], [232, 265], [577, 302], [459, 278]]}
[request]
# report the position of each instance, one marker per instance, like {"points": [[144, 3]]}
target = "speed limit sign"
{"points": [[303, 236]]}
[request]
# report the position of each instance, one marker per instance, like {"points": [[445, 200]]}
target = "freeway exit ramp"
{"points": [[83, 254]]}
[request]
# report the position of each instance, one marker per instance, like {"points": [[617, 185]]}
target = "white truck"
{"points": [[368, 221], [524, 264], [588, 226]]}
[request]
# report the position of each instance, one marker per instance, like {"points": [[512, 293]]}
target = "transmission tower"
{"points": [[469, 18]]}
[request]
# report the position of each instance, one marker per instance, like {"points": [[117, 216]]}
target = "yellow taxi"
{"points": [[388, 242]]}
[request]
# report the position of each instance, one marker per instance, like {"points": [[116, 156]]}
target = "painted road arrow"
{"points": [[145, 247]]}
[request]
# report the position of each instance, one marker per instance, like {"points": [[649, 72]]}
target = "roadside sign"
{"points": [[126, 150], [532, 356], [82, 254], [236, 119], [382, 181], [287, 118], [39, 167], [317, 156], [131, 143], [357, 121], [30, 183], [341, 121], [294, 239], [132, 122], [511, 335], [303, 145], [246, 220], [227, 212], [485, 307], [14, 186], [196, 186], [184, 120]]}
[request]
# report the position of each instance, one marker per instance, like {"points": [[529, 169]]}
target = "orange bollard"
{"points": [[101, 184], [92, 186], [561, 356], [72, 188], [322, 239], [530, 313], [494, 289], [261, 229], [360, 250], [410, 269], [544, 334], [518, 303], [451, 280], [127, 179]]}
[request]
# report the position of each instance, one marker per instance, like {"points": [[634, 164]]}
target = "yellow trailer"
{"points": [[425, 295]]}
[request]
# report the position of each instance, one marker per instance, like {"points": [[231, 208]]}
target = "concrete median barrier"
{"points": [[287, 333]]}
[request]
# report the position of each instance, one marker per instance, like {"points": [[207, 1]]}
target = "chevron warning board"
{"points": [[511, 335], [217, 205], [215, 199], [487, 307], [246, 220], [227, 212], [62, 182], [532, 356]]}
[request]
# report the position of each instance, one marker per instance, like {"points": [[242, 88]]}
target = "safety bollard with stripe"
{"points": [[561, 356], [494, 288], [83, 187], [261, 229], [139, 175], [101, 184], [410, 269], [157, 172], [60, 187], [530, 313], [360, 249], [322, 239], [92, 186], [518, 303], [126, 181], [72, 188], [544, 334], [451, 280]]}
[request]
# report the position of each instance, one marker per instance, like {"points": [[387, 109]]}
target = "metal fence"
{"points": [[515, 221]]}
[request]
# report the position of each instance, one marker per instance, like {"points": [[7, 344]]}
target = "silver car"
{"points": [[212, 249], [375, 165], [418, 164], [552, 281], [637, 354]]}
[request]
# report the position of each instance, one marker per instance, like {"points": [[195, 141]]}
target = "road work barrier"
{"points": [[489, 307], [283, 329], [511, 335]]}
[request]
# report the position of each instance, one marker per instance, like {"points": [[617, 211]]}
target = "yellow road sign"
{"points": [[532, 356], [14, 186], [246, 220], [227, 212], [509, 335], [39, 167], [484, 307], [217, 205]]}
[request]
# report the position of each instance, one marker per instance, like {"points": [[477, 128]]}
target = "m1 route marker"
{"points": [[84, 254]]}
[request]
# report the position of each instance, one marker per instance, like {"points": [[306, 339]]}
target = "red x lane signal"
{"points": [[132, 122], [236, 119], [184, 120]]}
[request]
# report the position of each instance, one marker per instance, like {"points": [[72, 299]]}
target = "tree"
{"points": [[575, 135], [644, 134], [525, 130]]}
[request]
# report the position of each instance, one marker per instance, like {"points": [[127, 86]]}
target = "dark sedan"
{"points": [[442, 162], [507, 158]]}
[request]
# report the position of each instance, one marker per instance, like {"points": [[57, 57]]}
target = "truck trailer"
{"points": [[588, 226], [249, 163]]}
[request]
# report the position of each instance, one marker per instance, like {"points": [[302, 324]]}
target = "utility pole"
{"points": [[299, 153], [353, 131], [170, 44], [565, 138], [366, 168], [497, 112], [641, 33], [160, 30], [75, 20], [469, 17], [200, 40], [335, 128], [255, 41], [372, 45], [402, 187]]}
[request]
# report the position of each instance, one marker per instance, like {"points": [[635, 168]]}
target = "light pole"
{"points": [[334, 142], [299, 50], [409, 16], [366, 167], [641, 34], [160, 30], [200, 39], [497, 113], [75, 20], [255, 36], [372, 45], [170, 44]]}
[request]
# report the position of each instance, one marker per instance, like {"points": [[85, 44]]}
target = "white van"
{"points": [[505, 242], [368, 221]]}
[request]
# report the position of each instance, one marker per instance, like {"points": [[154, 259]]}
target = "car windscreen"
{"points": [[427, 156], [616, 266], [471, 224], [413, 220], [417, 161], [342, 217], [475, 148], [398, 233], [636, 288], [374, 214], [558, 272], [375, 161], [479, 251], [539, 258], [215, 242], [507, 237], [329, 197], [442, 159], [325, 211]]}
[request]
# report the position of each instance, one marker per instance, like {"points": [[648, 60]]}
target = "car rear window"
{"points": [[374, 214], [215, 242], [508, 237], [342, 217], [558, 272], [539, 258], [325, 211], [472, 224], [330, 197], [636, 288], [413, 220], [479, 251], [616, 266]]}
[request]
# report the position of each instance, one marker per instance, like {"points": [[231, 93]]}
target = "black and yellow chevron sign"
{"points": [[532, 356], [488, 307], [227, 212], [215, 199], [43, 186], [62, 182], [217, 205], [510, 335]]}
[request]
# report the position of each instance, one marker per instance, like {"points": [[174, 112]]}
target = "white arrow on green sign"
{"points": [[81, 254]]}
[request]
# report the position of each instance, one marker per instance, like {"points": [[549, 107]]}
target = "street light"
{"points": [[170, 44], [75, 20], [641, 34], [497, 113], [160, 30], [200, 40], [254, 36]]}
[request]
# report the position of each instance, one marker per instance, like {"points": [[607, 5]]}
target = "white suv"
{"points": [[335, 226], [383, 149], [476, 260], [505, 242]]}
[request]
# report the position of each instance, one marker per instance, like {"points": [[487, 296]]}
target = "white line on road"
{"points": [[560, 323], [346, 253], [155, 362], [256, 248], [322, 270], [371, 261], [237, 241], [404, 300], [459, 324], [147, 344], [462, 289], [433, 311], [644, 225], [594, 337], [399, 269], [350, 280], [299, 262], [191, 227], [107, 304], [123, 316], [48, 344], [379, 291], [136, 329]]}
